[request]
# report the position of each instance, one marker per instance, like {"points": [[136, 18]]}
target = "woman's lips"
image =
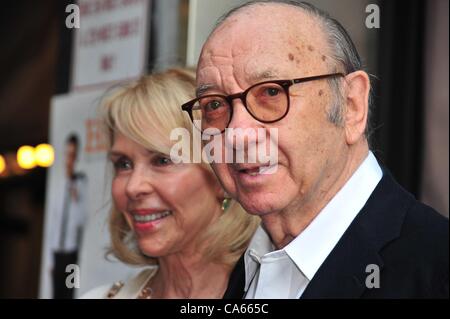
{"points": [[147, 220]]}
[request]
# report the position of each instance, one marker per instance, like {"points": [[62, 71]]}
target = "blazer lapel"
{"points": [[343, 274], [236, 283]]}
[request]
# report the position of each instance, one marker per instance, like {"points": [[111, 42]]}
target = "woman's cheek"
{"points": [[118, 194]]}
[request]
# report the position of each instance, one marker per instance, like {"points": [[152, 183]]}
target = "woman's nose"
{"points": [[139, 185]]}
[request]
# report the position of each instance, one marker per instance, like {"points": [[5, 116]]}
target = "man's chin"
{"points": [[258, 205]]}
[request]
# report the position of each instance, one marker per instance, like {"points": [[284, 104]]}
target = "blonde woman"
{"points": [[170, 217]]}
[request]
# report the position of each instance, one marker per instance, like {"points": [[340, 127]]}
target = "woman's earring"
{"points": [[225, 204]]}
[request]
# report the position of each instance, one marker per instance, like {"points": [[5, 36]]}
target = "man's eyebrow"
{"points": [[262, 76], [254, 78], [202, 88]]}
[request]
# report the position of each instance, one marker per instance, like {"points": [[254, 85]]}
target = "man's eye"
{"points": [[213, 105], [272, 91]]}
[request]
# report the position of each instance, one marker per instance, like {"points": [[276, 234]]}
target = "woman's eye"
{"points": [[122, 164], [161, 160]]}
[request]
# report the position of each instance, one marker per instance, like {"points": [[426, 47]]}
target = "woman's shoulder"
{"points": [[129, 289], [100, 292]]}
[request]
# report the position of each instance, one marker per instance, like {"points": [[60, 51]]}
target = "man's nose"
{"points": [[139, 185], [242, 129]]}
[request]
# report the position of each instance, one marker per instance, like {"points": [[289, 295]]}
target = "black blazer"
{"points": [[405, 238]]}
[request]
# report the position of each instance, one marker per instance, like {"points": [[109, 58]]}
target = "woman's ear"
{"points": [[215, 184], [221, 194], [357, 105]]}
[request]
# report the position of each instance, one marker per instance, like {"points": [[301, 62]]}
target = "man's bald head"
{"points": [[252, 63], [339, 53], [340, 43]]}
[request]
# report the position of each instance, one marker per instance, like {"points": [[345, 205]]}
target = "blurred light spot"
{"points": [[44, 155], [25, 157], [2, 164]]}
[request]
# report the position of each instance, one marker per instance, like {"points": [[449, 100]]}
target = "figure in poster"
{"points": [[69, 217]]}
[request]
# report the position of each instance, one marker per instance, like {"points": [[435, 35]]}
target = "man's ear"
{"points": [[357, 105]]}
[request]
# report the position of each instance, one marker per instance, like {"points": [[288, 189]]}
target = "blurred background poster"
{"points": [[53, 75], [77, 200], [109, 46], [111, 42]]}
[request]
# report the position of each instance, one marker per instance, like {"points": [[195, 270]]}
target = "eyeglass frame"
{"points": [[285, 84]]}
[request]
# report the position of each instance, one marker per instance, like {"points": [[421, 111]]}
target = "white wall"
{"points": [[435, 191], [350, 13], [202, 17]]}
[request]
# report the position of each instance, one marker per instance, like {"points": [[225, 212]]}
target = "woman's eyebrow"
{"points": [[114, 153]]}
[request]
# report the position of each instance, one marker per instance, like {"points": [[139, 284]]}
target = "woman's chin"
{"points": [[151, 253], [150, 250]]}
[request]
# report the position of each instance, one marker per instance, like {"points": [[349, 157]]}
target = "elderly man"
{"points": [[335, 224]]}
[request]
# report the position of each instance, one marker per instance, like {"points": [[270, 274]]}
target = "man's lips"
{"points": [[247, 166], [255, 169]]}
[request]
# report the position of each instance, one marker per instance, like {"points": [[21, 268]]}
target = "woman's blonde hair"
{"points": [[146, 111]]}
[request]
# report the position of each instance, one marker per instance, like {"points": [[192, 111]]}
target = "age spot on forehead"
{"points": [[310, 48], [291, 57], [324, 58], [320, 92]]}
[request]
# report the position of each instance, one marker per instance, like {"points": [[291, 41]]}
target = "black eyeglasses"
{"points": [[267, 102]]}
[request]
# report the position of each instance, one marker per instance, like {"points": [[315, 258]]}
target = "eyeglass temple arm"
{"points": [[316, 77]]}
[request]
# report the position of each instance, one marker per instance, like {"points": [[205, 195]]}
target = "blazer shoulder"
{"points": [[421, 252], [426, 224], [416, 220]]}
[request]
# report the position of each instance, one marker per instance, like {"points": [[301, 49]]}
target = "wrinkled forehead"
{"points": [[262, 44]]}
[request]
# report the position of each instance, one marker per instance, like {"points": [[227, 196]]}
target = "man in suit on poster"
{"points": [[335, 224], [70, 214]]}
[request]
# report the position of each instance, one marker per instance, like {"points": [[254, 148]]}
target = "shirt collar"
{"points": [[310, 249], [258, 247]]}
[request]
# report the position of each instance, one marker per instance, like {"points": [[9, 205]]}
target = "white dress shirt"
{"points": [[286, 273], [75, 216]]}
